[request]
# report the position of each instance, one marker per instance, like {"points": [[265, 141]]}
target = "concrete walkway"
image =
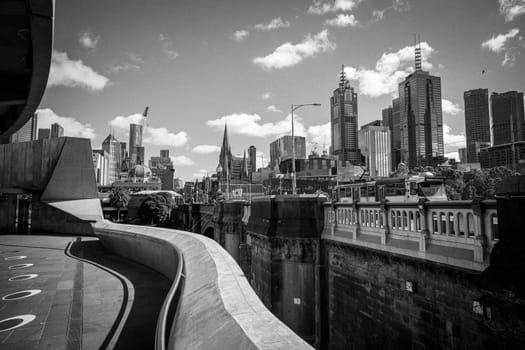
{"points": [[60, 292]]}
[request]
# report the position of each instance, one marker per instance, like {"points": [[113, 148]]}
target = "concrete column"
{"points": [[423, 212], [456, 224]]}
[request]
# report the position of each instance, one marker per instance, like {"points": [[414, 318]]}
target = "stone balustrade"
{"points": [[458, 233]]}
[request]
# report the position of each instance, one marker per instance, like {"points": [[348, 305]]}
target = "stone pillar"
{"points": [[423, 212], [480, 238]]}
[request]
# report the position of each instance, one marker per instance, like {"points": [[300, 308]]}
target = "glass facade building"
{"points": [[477, 122], [506, 107], [111, 146]]}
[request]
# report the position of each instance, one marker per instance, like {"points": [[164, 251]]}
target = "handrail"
{"points": [[161, 339]]}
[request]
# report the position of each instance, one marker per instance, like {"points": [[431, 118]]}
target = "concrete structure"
{"points": [[25, 61], [344, 122], [375, 145], [112, 147], [421, 120], [252, 156], [57, 130], [506, 107], [27, 132], [44, 134], [509, 155], [101, 164], [281, 149], [477, 122]]}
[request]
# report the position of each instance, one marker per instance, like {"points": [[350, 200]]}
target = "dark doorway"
{"points": [[23, 214], [210, 233]]}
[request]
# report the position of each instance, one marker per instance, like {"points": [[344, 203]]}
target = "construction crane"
{"points": [[145, 114]]}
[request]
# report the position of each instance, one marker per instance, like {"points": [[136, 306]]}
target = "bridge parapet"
{"points": [[458, 233]]}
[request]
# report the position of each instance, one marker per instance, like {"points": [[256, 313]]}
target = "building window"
{"points": [[443, 223], [405, 221], [461, 225], [418, 221], [411, 221], [399, 226], [381, 213], [494, 224], [393, 219]]}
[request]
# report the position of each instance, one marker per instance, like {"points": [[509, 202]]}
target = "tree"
{"points": [[154, 209], [119, 199]]}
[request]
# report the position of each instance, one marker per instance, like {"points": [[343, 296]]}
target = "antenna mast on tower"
{"points": [[417, 46]]}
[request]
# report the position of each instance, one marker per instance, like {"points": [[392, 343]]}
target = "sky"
{"points": [[198, 64]]}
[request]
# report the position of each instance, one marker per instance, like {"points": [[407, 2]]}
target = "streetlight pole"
{"points": [[294, 176]]}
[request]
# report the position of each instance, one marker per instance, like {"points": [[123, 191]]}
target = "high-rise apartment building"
{"points": [[135, 143], [44, 134], [112, 148], [281, 149], [421, 118], [343, 121], [124, 157], [374, 143], [391, 120], [506, 107], [56, 130], [27, 132], [477, 122], [252, 159]]}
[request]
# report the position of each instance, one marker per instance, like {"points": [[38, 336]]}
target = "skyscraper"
{"points": [[112, 148], [252, 156], [391, 120], [343, 120], [27, 132], [421, 118], [135, 142], [56, 130], [506, 107], [477, 122], [374, 142]]}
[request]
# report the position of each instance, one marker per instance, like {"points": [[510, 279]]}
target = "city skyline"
{"points": [[253, 60]]}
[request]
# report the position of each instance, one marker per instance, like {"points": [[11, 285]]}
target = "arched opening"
{"points": [[210, 232]]}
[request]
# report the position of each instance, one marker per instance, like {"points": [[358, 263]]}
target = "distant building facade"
{"points": [[162, 167], [252, 157], [375, 145], [344, 121], [391, 119], [136, 151], [101, 166], [44, 134], [57, 130], [27, 132], [463, 155], [508, 155], [281, 149], [506, 107], [477, 122]]}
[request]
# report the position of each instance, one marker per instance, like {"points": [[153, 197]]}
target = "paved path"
{"points": [[75, 295]]}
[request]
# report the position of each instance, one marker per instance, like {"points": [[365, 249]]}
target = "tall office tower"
{"points": [[44, 134], [463, 155], [56, 130], [101, 166], [281, 149], [27, 132], [252, 159], [164, 153], [135, 142], [374, 142], [343, 119], [421, 118], [506, 107], [124, 157], [112, 148], [477, 122], [391, 120]]}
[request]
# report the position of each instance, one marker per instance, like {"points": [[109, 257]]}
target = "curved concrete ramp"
{"points": [[217, 309]]}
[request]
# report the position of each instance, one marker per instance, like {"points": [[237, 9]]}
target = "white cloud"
{"points": [[272, 108], [320, 7], [124, 67], [342, 20], [378, 14], [450, 107], [453, 155], [452, 141], [497, 42], [511, 8], [152, 136], [390, 69], [88, 40], [396, 6], [72, 127], [206, 149], [181, 161], [288, 54], [240, 35], [250, 125], [318, 138], [202, 173], [168, 47], [163, 137], [275, 23], [266, 95], [71, 73]]}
